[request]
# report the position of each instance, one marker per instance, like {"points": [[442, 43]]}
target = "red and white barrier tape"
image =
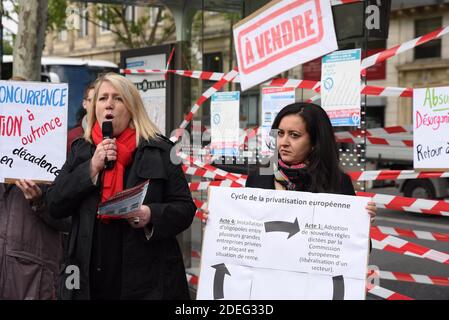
{"points": [[206, 95], [378, 175], [387, 294], [377, 141], [387, 242], [386, 54], [416, 278], [208, 167], [192, 279], [339, 2], [395, 202], [277, 82], [387, 131], [200, 206], [200, 186], [381, 91], [387, 91], [198, 172], [435, 207], [195, 254], [416, 234]]}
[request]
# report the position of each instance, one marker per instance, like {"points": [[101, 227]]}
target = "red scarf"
{"points": [[113, 178]]}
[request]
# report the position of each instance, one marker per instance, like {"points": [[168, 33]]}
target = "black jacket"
{"points": [[151, 269], [267, 182]]}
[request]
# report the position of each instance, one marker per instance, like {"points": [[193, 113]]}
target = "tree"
{"points": [[133, 34], [7, 49], [30, 38]]}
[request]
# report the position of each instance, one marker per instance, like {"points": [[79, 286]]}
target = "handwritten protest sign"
{"points": [[269, 244], [280, 36], [431, 128], [33, 130]]}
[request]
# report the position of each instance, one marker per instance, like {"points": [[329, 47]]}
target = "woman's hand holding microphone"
{"points": [[106, 150]]}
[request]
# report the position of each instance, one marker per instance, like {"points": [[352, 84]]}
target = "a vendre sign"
{"points": [[282, 35]]}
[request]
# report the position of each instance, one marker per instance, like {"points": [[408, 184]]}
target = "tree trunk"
{"points": [[30, 39]]}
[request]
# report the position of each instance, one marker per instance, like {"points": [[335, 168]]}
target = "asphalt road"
{"points": [[393, 262]]}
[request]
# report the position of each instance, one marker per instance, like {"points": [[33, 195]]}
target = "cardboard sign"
{"points": [[269, 244], [33, 130], [280, 36], [431, 128]]}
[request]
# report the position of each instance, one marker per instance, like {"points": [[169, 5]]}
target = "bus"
{"points": [[77, 73]]}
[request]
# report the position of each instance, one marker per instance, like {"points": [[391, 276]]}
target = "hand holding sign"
{"points": [[30, 189]]}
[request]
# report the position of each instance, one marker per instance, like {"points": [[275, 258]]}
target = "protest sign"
{"points": [[269, 244], [431, 128], [340, 87], [224, 113], [33, 130], [273, 100], [280, 36]]}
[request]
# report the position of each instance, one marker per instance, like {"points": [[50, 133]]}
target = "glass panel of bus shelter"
{"points": [[211, 50]]}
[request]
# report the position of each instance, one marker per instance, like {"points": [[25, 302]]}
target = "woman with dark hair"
{"points": [[307, 156], [307, 153]]}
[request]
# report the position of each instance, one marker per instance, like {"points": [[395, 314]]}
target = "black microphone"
{"points": [[106, 129]]}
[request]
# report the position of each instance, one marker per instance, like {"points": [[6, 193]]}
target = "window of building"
{"points": [[431, 49], [105, 23], [62, 35], [130, 14], [152, 14], [84, 21]]}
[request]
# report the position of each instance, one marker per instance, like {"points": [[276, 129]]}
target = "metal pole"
{"points": [[363, 124]]}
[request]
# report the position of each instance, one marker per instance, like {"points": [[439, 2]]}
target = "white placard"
{"points": [[224, 113], [287, 244], [273, 100], [33, 129], [340, 87], [280, 36], [431, 128]]}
